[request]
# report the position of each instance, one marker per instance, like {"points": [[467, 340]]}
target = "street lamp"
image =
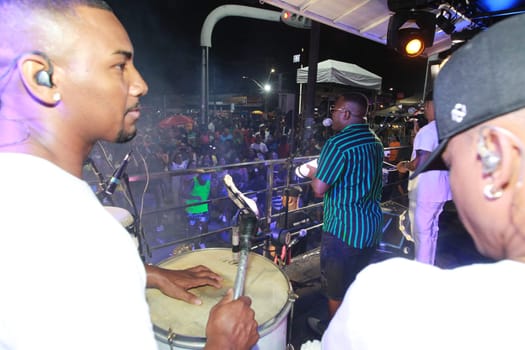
{"points": [[266, 88]]}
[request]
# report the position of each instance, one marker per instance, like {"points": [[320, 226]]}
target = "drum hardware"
{"points": [[171, 338], [292, 297], [286, 239]]}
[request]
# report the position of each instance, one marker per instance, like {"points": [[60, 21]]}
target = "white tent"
{"points": [[331, 71]]}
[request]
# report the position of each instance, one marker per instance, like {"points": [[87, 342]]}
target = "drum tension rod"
{"points": [[171, 337]]}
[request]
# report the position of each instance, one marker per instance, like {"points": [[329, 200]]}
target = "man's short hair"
{"points": [[358, 98]]}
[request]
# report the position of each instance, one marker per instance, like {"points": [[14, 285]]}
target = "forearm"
{"points": [[408, 165], [154, 278]]}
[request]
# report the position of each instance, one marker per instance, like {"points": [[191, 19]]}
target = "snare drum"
{"points": [[179, 325]]}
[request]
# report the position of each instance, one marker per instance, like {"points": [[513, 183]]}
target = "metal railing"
{"points": [[163, 220]]}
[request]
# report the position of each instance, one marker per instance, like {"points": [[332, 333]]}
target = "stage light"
{"points": [[411, 32], [444, 21], [295, 20], [411, 42]]}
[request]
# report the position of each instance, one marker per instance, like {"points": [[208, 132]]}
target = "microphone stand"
{"points": [[247, 229], [144, 247], [102, 185], [248, 219]]}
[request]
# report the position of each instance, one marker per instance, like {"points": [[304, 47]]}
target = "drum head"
{"points": [[266, 285]]}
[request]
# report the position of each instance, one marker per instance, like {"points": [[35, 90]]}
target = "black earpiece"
{"points": [[44, 77], [489, 159]]}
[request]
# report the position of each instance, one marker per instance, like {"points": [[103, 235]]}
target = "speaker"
{"points": [[396, 238]]}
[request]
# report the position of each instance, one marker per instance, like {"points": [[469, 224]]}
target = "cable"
{"points": [[146, 185], [21, 140]]}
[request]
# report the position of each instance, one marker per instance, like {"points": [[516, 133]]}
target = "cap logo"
{"points": [[458, 113]]}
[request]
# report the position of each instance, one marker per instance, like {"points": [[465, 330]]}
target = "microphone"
{"points": [[117, 175], [327, 122], [302, 170]]}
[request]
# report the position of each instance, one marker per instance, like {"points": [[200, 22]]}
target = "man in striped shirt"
{"points": [[349, 178]]}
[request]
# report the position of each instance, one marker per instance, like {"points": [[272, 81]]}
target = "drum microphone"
{"points": [[117, 175]]}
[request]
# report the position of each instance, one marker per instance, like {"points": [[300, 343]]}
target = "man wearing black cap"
{"points": [[480, 113]]}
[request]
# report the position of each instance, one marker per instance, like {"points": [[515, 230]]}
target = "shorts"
{"points": [[340, 265]]}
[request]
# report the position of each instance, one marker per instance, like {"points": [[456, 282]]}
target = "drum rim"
{"points": [[198, 342]]}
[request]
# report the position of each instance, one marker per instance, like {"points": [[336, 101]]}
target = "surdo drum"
{"points": [[179, 325]]}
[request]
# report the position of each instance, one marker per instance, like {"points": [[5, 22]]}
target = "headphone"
{"points": [[489, 159], [44, 77]]}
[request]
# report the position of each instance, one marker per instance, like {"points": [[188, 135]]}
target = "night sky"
{"points": [[166, 36]]}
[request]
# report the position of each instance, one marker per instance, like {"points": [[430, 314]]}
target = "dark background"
{"points": [[166, 36]]}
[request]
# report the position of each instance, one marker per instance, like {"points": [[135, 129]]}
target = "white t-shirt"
{"points": [[407, 305], [429, 186], [259, 147], [71, 275]]}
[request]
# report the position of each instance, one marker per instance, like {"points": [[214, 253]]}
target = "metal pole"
{"points": [[313, 59], [205, 41], [205, 86]]}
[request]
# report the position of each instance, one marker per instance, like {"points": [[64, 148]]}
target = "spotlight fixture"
{"points": [[445, 21], [411, 42], [411, 32]]}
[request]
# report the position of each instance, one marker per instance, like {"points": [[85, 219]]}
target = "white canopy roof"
{"points": [[365, 18], [332, 71]]}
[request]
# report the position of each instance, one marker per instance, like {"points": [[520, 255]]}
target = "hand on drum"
{"points": [[231, 324], [175, 283]]}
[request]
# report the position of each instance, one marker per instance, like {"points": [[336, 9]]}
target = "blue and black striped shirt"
{"points": [[351, 163]]}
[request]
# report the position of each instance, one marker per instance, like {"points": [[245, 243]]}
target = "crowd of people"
{"points": [[223, 141]]}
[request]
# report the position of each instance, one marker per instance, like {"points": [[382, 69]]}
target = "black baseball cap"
{"points": [[482, 80]]}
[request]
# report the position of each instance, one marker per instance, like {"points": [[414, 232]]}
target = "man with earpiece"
{"points": [[71, 275], [427, 192], [400, 304]]}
